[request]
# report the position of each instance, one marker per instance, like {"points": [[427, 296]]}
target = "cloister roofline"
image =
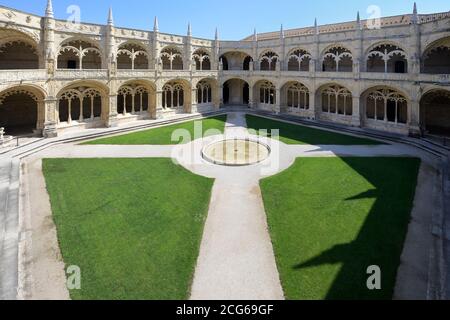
{"points": [[21, 11], [405, 19], [149, 31], [391, 21]]}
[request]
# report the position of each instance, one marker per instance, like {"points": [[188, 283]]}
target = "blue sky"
{"points": [[235, 19]]}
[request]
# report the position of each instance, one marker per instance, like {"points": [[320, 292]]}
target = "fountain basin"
{"points": [[236, 152]]}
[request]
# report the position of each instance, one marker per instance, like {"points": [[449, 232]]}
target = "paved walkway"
{"points": [[9, 227], [236, 258]]}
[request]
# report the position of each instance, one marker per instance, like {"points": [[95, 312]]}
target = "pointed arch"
{"points": [[136, 97], [295, 96], [79, 54], [336, 99], [265, 94], [22, 109], [172, 58], [202, 59], [435, 112], [236, 60], [337, 58], [436, 57], [268, 60], [298, 60], [82, 102], [385, 105], [132, 55], [18, 51], [386, 57]]}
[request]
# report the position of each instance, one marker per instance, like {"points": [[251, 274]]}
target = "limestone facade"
{"points": [[60, 76]]}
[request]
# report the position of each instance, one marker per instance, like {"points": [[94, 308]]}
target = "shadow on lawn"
{"points": [[380, 241], [306, 135]]}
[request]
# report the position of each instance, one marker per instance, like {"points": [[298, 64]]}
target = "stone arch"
{"points": [[268, 60], [383, 106], [22, 109], [82, 102], [172, 58], [137, 97], [176, 96], [100, 86], [132, 55], [436, 57], [207, 94], [79, 53], [335, 99], [298, 59], [386, 42], [337, 58], [18, 51], [236, 60], [387, 57], [435, 112], [236, 91], [202, 59], [264, 93], [295, 96]]}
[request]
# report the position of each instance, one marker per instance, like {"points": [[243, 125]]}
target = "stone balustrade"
{"points": [[41, 74], [22, 75], [81, 74]]}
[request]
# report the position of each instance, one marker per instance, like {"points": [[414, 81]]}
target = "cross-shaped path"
{"points": [[236, 259]]}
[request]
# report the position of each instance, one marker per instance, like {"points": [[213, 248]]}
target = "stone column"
{"points": [[194, 102], [277, 107], [111, 110], [415, 47], [251, 99], [356, 116], [414, 118], [49, 57], [51, 118], [220, 95], [159, 104], [312, 105]]}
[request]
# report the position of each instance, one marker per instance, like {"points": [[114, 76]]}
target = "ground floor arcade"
{"points": [[31, 110]]}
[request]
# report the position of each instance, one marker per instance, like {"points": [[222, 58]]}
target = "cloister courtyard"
{"points": [[145, 216], [300, 164]]}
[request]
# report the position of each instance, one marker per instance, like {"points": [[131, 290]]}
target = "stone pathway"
{"points": [[236, 258], [9, 227]]}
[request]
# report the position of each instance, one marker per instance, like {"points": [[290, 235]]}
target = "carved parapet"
{"points": [[20, 75]]}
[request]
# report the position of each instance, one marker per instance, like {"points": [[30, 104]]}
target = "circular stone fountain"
{"points": [[236, 152]]}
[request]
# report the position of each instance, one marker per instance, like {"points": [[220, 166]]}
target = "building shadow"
{"points": [[381, 238]]}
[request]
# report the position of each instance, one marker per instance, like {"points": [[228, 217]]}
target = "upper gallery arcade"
{"points": [[56, 76]]}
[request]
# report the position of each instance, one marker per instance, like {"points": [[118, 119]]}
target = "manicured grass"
{"points": [[332, 218], [163, 135], [297, 134], [133, 226]]}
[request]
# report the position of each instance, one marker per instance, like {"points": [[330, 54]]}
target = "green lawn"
{"points": [[297, 134], [133, 226], [332, 218], [163, 135]]}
